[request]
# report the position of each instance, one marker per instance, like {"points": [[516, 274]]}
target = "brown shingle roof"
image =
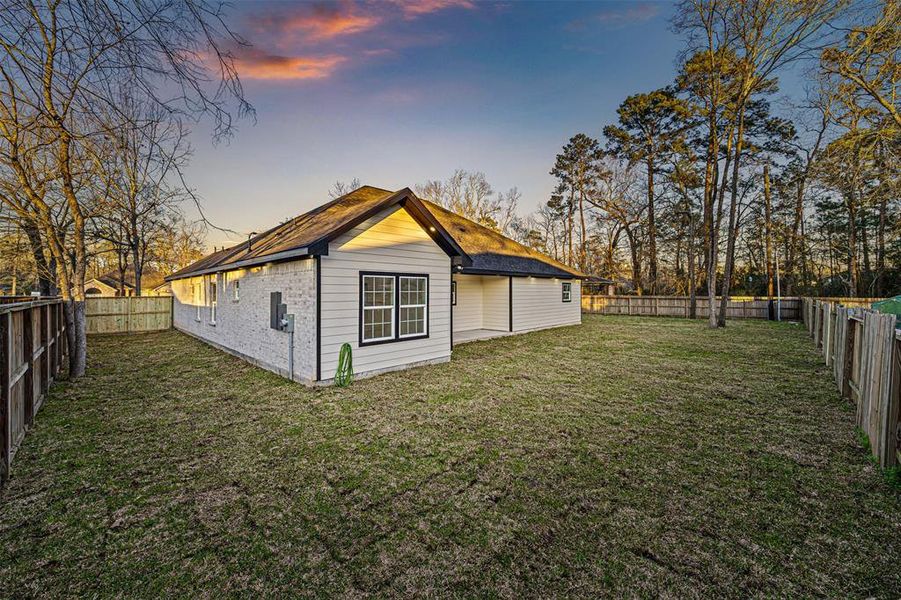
{"points": [[492, 252], [310, 232]]}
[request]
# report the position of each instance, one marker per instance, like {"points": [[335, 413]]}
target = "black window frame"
{"points": [[453, 293], [396, 333], [564, 291]]}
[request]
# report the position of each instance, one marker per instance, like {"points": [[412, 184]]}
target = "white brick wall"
{"points": [[242, 326]]}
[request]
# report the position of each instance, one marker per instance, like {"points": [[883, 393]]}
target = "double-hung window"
{"points": [[414, 304], [378, 308], [213, 299], [567, 291], [393, 307]]}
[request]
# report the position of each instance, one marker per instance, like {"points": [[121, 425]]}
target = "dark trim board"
{"points": [[471, 271], [510, 308], [453, 285], [397, 337], [318, 265]]}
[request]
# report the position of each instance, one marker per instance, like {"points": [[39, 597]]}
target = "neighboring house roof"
{"points": [[109, 280], [494, 253], [475, 249]]}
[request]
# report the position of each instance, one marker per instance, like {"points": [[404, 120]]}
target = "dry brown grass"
{"points": [[627, 456]]}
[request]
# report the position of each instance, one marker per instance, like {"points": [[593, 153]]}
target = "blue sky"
{"points": [[396, 93]]}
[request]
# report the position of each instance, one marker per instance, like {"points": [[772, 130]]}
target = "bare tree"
{"points": [[62, 64]]}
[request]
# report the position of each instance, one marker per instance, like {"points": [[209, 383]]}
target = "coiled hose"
{"points": [[345, 373]]}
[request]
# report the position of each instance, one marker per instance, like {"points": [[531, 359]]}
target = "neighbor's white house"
{"points": [[398, 278]]}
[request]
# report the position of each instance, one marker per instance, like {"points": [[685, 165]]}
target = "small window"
{"points": [[567, 291], [453, 293], [378, 308], [236, 287], [414, 295], [213, 299]]}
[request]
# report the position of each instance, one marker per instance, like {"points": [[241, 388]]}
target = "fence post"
{"points": [[45, 349], [28, 355], [5, 359]]}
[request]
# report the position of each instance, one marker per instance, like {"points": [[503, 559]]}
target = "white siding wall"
{"points": [[468, 310], [537, 303], [390, 242], [242, 326], [496, 303]]}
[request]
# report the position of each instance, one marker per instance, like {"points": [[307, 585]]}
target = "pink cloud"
{"points": [[416, 8], [256, 64], [317, 22]]}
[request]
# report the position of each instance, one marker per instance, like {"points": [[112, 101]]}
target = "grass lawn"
{"points": [[628, 456]]}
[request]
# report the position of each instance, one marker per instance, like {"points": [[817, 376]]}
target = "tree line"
{"points": [[95, 102], [712, 185]]}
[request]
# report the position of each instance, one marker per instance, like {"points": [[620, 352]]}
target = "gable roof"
{"points": [[494, 253], [473, 248], [109, 280], [310, 233]]}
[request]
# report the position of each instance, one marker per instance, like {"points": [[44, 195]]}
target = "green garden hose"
{"points": [[345, 373]]}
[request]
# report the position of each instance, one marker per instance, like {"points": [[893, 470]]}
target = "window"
{"points": [[213, 299], [567, 291], [453, 293], [236, 289], [414, 294], [393, 307], [378, 308]]}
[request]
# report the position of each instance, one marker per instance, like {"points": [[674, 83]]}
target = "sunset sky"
{"points": [[395, 93]]}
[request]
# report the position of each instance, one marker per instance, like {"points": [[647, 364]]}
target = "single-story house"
{"points": [[398, 278], [107, 286]]}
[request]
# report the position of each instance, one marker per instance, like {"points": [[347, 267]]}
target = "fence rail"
{"points": [[128, 314], [32, 353], [738, 307], [863, 348], [679, 306]]}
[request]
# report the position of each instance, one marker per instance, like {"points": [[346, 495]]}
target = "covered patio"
{"points": [[474, 335]]}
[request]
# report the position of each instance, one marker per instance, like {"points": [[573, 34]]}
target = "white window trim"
{"points": [[567, 293], [213, 297], [425, 313], [392, 307], [236, 290], [197, 293]]}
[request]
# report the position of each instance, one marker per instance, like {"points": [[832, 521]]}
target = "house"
{"points": [[107, 285], [398, 278], [110, 284], [163, 289]]}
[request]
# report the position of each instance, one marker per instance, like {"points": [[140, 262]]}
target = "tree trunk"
{"points": [[582, 244], [636, 261], [692, 288], [768, 231], [45, 282], [652, 231], [852, 244], [733, 225], [880, 249]]}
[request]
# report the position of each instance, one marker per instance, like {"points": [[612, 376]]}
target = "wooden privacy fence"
{"points": [[128, 314], [679, 306], [863, 348], [32, 353]]}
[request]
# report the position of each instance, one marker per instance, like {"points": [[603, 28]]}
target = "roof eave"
{"points": [[296, 253], [505, 273]]}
